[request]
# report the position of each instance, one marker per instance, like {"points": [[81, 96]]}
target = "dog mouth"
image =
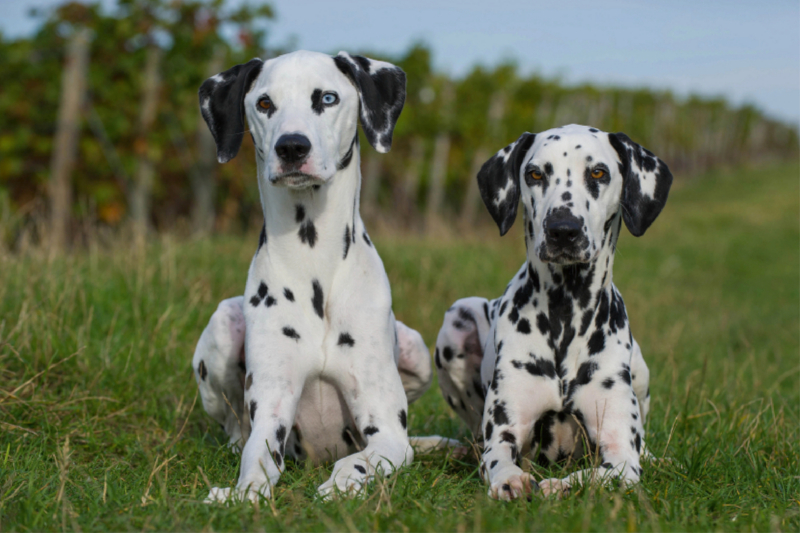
{"points": [[563, 256], [294, 179]]}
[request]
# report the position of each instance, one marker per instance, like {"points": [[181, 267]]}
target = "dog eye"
{"points": [[330, 98], [536, 174], [598, 173], [264, 103]]}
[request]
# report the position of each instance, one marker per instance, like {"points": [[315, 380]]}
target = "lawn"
{"points": [[101, 427]]}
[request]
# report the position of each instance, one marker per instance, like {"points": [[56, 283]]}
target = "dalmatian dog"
{"points": [[310, 363], [550, 369]]}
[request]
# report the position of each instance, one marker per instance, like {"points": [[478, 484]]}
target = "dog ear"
{"points": [[222, 106], [498, 181], [381, 89], [645, 186]]}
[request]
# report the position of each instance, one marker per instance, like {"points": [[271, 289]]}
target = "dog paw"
{"points": [[513, 486], [554, 487], [218, 495], [341, 485]]}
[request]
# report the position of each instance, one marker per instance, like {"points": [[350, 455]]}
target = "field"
{"points": [[101, 427]]}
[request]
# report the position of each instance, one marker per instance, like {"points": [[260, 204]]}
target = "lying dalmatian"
{"points": [[551, 367], [310, 363]]}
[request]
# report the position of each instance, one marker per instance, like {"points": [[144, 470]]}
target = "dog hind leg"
{"points": [[458, 357], [219, 369]]}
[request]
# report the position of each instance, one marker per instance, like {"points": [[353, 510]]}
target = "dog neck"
{"points": [[570, 295], [305, 229]]}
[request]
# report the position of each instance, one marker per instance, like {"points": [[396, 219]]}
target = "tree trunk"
{"points": [[204, 175], [73, 89], [145, 170]]}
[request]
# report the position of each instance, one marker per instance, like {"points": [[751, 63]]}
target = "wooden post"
{"points": [[497, 108], [145, 170], [204, 175], [441, 153], [73, 89]]}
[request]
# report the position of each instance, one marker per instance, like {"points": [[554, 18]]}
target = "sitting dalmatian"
{"points": [[310, 363], [551, 367]]}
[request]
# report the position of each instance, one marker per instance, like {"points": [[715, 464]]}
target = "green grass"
{"points": [[101, 427]]}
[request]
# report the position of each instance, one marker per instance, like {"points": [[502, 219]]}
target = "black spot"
{"points": [[366, 239], [360, 468], [370, 430], [316, 300], [248, 382], [507, 436], [403, 421], [262, 290], [625, 374], [202, 370], [254, 301], [487, 432], [542, 323], [503, 308], [584, 374], [291, 333], [513, 316], [548, 169], [597, 342], [262, 239], [542, 434], [524, 293], [436, 359], [316, 102], [288, 294], [299, 213], [494, 464], [538, 367], [593, 130], [608, 383], [280, 435], [524, 326], [638, 443], [308, 233], [277, 457], [500, 417], [346, 241], [270, 301], [486, 311], [566, 196], [253, 407], [345, 338], [447, 353], [585, 321]]}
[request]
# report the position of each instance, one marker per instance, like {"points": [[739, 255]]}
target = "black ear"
{"points": [[498, 181], [222, 106], [381, 88], [645, 186]]}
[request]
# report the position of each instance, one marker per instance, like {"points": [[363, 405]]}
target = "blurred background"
{"points": [[100, 134]]}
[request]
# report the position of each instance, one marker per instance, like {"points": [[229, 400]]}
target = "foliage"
{"points": [[101, 427], [692, 135]]}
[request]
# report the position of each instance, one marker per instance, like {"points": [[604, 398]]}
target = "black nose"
{"points": [[562, 231], [293, 148]]}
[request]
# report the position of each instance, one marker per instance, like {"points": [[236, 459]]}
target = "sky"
{"points": [[746, 51]]}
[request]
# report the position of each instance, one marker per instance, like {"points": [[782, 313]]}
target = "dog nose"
{"points": [[563, 231], [293, 148]]}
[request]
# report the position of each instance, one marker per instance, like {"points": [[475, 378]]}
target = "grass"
{"points": [[101, 427]]}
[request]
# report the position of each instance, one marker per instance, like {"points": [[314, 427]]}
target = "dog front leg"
{"points": [[273, 386], [508, 421]]}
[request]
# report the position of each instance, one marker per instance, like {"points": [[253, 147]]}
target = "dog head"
{"points": [[573, 182], [302, 110]]}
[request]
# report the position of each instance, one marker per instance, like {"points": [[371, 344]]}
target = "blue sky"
{"points": [[745, 51]]}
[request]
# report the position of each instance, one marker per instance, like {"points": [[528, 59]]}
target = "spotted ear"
{"points": [[381, 89], [222, 106], [498, 181], [645, 186]]}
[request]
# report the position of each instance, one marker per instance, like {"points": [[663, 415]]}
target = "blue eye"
{"points": [[330, 98]]}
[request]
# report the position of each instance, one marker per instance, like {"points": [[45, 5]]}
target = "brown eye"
{"points": [[535, 174], [264, 103], [598, 173]]}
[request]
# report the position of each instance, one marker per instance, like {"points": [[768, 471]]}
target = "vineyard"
{"points": [[100, 131]]}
